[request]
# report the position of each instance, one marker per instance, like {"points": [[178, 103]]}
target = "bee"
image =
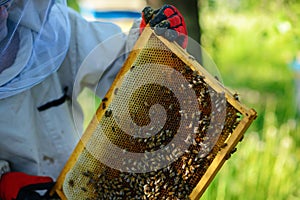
{"points": [[233, 151], [236, 97], [116, 91], [108, 113], [198, 140], [190, 162], [71, 183], [217, 78], [187, 69], [195, 73], [103, 106], [87, 173], [242, 138], [104, 99], [200, 77], [223, 145]]}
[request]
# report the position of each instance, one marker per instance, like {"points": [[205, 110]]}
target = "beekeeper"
{"points": [[42, 45]]}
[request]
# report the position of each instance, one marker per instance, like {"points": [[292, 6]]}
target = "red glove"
{"points": [[166, 21], [12, 182]]}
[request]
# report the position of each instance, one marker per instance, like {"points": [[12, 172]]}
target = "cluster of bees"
{"points": [[216, 119], [177, 179]]}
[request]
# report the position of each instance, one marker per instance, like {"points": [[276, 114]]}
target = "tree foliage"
{"points": [[73, 4]]}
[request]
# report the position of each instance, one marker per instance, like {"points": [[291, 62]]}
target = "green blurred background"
{"points": [[252, 42]]}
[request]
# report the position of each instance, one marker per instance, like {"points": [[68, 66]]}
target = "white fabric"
{"points": [[46, 23], [40, 142], [4, 167], [22, 57]]}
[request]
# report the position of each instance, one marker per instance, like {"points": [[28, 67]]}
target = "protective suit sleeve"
{"points": [[96, 53]]}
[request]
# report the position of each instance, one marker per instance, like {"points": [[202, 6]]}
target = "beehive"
{"points": [[164, 129]]}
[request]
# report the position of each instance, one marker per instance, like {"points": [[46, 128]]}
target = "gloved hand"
{"points": [[12, 182], [166, 21]]}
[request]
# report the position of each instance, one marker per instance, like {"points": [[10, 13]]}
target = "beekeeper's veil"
{"points": [[37, 42]]}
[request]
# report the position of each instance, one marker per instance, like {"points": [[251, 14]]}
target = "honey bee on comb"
{"points": [[165, 132]]}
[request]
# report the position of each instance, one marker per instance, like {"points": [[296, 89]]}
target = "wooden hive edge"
{"points": [[249, 116], [222, 156]]}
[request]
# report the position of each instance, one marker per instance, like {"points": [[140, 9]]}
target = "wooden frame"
{"points": [[248, 116]]}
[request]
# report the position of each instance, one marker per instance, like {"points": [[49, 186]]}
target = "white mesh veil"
{"points": [[36, 43]]}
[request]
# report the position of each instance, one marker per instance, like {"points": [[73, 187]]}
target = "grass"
{"points": [[264, 167], [252, 56], [252, 53]]}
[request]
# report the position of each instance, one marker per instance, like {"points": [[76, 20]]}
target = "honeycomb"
{"points": [[162, 132]]}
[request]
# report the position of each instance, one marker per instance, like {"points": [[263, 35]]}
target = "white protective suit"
{"points": [[37, 131]]}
